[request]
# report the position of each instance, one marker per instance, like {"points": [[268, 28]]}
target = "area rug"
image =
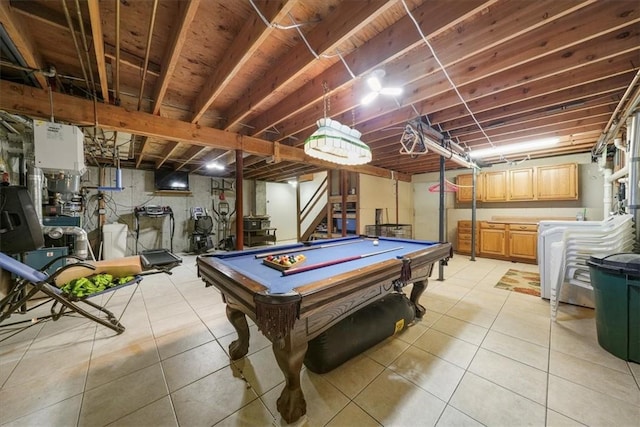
{"points": [[523, 282]]}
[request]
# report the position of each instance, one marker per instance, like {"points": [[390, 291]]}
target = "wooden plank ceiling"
{"points": [[493, 72]]}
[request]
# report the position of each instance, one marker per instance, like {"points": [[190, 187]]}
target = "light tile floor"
{"points": [[480, 356]]}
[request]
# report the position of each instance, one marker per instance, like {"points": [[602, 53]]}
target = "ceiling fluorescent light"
{"points": [[514, 148]]}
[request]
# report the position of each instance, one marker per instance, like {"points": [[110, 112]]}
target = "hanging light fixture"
{"points": [[335, 142]]}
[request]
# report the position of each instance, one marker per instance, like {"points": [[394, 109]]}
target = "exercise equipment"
{"points": [[223, 214], [201, 240], [153, 211]]}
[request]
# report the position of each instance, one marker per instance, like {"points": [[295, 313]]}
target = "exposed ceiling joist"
{"points": [[29, 101], [98, 46], [341, 24], [244, 46], [188, 12], [21, 37]]}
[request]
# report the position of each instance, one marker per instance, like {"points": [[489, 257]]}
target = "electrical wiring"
{"points": [[444, 70]]}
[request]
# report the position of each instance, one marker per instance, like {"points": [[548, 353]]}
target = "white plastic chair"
{"points": [[568, 263]]}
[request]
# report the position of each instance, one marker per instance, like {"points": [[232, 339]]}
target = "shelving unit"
{"points": [[342, 209], [258, 231]]}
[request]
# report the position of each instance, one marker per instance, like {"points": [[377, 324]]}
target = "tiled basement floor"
{"points": [[481, 356]]}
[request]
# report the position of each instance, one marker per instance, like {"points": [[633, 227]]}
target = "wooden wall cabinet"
{"points": [[557, 182], [521, 184], [495, 186], [465, 191]]}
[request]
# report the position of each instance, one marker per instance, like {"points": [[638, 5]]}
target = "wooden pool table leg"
{"points": [[291, 403], [418, 288], [240, 347]]}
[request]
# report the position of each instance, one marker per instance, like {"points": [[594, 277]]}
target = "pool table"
{"points": [[290, 308]]}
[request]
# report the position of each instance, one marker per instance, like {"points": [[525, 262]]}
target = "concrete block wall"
{"points": [[139, 191]]}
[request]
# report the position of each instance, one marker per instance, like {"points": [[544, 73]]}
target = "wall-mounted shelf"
{"points": [[172, 193]]}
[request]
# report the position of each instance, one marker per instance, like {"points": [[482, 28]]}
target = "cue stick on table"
{"points": [[307, 248], [334, 261]]}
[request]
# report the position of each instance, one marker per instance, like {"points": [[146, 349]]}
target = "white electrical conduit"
{"points": [[612, 131]]}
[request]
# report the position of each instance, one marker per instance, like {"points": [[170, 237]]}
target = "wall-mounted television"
{"points": [[168, 179]]}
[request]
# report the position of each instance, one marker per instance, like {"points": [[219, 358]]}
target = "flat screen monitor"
{"points": [[168, 179]]}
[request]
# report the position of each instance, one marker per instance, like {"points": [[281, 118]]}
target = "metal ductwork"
{"points": [[35, 182], [35, 185], [81, 242]]}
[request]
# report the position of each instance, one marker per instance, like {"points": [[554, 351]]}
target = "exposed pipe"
{"points": [[81, 241], [634, 174], [608, 191], [118, 186], [75, 42], [117, 101], [35, 182], [86, 48], [609, 131], [146, 56]]}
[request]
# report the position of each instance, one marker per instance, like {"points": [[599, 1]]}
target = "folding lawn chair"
{"points": [[20, 231]]}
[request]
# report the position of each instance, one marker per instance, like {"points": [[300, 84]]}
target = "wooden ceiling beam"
{"points": [[179, 37], [483, 32], [515, 82], [394, 41], [143, 145], [586, 75], [189, 155], [534, 121], [223, 158], [19, 34], [343, 22], [251, 36], [487, 110], [473, 81], [604, 93], [33, 102], [98, 47], [132, 61], [52, 17], [169, 148]]}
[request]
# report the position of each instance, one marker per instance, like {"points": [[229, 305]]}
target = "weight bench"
{"points": [[20, 231]]}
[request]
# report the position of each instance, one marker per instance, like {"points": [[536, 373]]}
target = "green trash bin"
{"points": [[616, 285]]}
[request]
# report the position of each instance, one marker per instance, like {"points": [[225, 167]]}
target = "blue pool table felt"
{"points": [[246, 263]]}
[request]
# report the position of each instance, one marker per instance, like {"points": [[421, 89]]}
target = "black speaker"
{"points": [[20, 229]]}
